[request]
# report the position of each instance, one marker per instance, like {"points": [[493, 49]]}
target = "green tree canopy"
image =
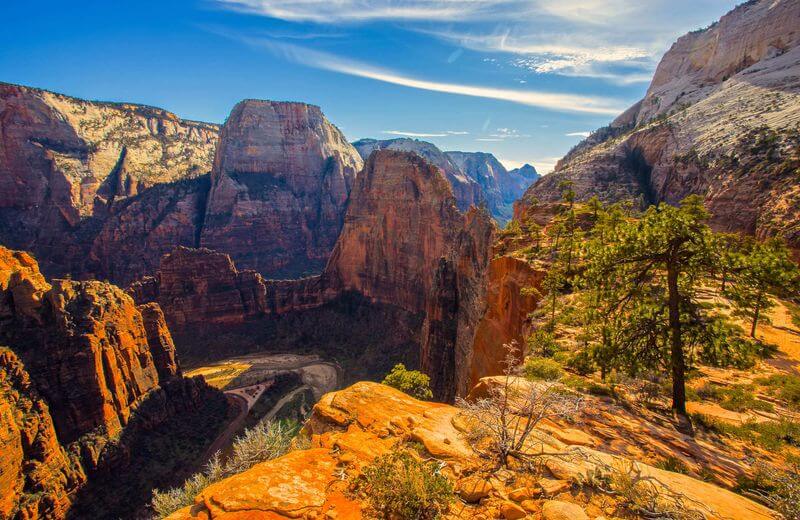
{"points": [[413, 382]]}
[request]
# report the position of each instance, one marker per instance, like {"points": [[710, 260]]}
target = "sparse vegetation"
{"points": [[413, 382], [267, 440], [400, 485], [537, 368]]}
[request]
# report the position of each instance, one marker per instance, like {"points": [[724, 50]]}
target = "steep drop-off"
{"points": [[720, 120], [86, 375]]}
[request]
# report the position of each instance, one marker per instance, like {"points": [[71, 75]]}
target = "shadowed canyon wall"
{"points": [[82, 365]]}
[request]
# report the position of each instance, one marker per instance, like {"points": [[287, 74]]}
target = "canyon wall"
{"points": [[720, 120], [66, 164], [475, 177], [81, 361], [104, 190]]}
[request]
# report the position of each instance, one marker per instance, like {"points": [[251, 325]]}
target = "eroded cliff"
{"points": [[720, 120]]}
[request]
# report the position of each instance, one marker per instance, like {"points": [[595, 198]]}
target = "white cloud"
{"points": [[508, 133], [488, 139], [412, 134], [456, 132], [558, 102], [578, 134], [350, 11]]}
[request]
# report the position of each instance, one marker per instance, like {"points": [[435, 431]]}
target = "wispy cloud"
{"points": [[548, 100], [350, 11], [583, 56], [508, 133], [578, 134], [412, 134]]}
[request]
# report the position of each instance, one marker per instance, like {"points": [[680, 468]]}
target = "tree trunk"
{"points": [[676, 344], [756, 312]]}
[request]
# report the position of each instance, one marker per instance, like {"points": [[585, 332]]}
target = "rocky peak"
{"points": [[401, 219], [527, 171], [467, 192], [281, 177], [719, 120]]}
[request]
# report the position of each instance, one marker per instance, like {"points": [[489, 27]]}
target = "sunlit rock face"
{"points": [[718, 120], [281, 177], [66, 164]]}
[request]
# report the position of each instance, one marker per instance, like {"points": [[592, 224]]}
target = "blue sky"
{"points": [[523, 79]]}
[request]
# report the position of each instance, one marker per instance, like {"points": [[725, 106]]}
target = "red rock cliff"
{"points": [[280, 182]]}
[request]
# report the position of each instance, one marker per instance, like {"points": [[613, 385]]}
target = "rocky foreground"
{"points": [[349, 428]]}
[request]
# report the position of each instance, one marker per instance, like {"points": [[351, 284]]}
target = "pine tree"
{"points": [[644, 287], [767, 268]]}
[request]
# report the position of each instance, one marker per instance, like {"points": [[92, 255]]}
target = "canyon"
{"points": [[162, 280]]}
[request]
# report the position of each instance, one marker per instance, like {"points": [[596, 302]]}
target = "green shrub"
{"points": [[542, 368], [582, 363], [779, 489], [413, 382], [771, 435], [786, 386], [542, 343], [673, 464], [267, 440], [398, 485]]}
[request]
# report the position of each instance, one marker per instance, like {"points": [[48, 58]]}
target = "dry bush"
{"points": [[502, 423]]}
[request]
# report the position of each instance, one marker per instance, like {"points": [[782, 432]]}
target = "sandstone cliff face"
{"points": [[350, 428], [506, 317], [465, 189], [85, 343], [96, 367], [36, 475], [282, 174], [64, 160], [454, 307], [719, 120], [401, 219]]}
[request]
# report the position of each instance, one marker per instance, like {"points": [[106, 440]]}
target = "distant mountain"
{"points": [[476, 177], [466, 190], [720, 120], [527, 171]]}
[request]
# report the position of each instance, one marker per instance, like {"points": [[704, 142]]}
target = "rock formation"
{"points": [[466, 191], [719, 120], [36, 474], [82, 361], [512, 294], [475, 177], [282, 174], [103, 190], [66, 163], [349, 428], [404, 244], [526, 171]]}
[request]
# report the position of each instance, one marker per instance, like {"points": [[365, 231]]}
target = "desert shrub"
{"points": [[777, 488], [673, 464], [542, 368], [786, 386], [399, 485], [740, 398], [413, 382], [267, 440], [647, 498], [770, 435], [582, 363], [542, 343]]}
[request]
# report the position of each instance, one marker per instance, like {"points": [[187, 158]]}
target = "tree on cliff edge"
{"points": [[644, 286]]}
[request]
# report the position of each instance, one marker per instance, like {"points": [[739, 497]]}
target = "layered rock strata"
{"points": [[282, 175], [350, 428]]}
